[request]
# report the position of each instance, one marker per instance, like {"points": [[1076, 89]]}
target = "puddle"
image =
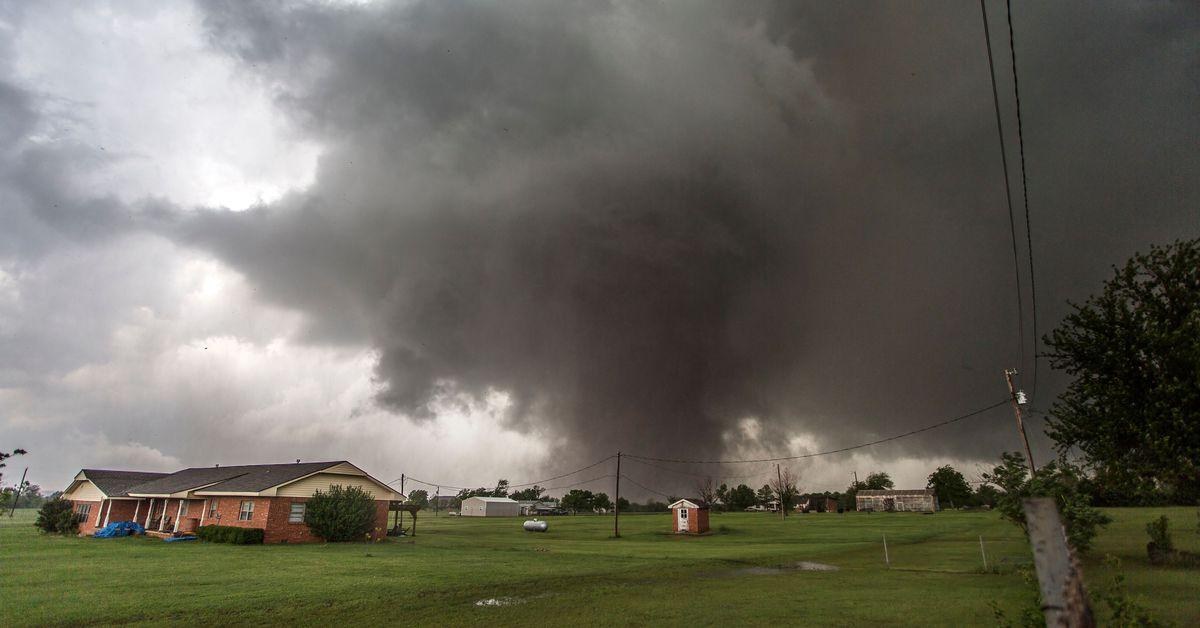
{"points": [[498, 601], [802, 565]]}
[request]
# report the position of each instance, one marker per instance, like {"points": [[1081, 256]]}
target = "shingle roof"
{"points": [[117, 483], [243, 478], [907, 491]]}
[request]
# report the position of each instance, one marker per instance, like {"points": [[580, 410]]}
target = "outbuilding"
{"points": [[904, 500], [690, 517], [490, 507]]}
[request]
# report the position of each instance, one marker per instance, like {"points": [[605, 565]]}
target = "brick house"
{"points": [[267, 496]]}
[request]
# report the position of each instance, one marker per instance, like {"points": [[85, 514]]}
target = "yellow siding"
{"points": [[322, 481], [86, 491]]}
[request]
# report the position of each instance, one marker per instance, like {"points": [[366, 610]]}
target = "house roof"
{"points": [[503, 500], [241, 478], [907, 491], [117, 483]]}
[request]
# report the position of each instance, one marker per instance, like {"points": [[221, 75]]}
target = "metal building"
{"points": [[489, 507], [909, 500]]}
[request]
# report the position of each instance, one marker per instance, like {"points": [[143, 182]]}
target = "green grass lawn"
{"points": [[575, 574]]}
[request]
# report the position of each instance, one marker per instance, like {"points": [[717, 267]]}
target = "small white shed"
{"points": [[490, 507]]}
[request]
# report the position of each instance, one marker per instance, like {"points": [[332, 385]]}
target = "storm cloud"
{"points": [[648, 226]]}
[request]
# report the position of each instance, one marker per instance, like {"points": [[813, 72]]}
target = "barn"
{"points": [[908, 500], [490, 507]]}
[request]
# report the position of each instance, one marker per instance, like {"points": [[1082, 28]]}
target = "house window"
{"points": [[84, 509], [183, 511], [212, 508], [296, 515], [246, 512]]}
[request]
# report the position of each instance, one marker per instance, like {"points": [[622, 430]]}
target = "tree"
{"points": [[501, 489], [58, 516], [531, 494], [950, 486], [419, 497], [723, 495], [786, 488], [764, 495], [1059, 479], [1134, 352], [577, 500], [601, 502], [340, 514], [624, 504], [741, 498], [5, 456], [986, 495], [879, 481], [706, 490]]}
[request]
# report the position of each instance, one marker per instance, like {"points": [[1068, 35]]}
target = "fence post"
{"points": [[1064, 600], [886, 559]]}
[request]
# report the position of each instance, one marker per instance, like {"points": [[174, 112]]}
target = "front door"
{"points": [[681, 520]]}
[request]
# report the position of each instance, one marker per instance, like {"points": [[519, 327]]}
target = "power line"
{"points": [[1025, 195], [1012, 222], [832, 451], [701, 475], [643, 487], [467, 488]]}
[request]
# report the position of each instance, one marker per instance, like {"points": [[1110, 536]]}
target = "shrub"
{"points": [[1059, 479], [1160, 534], [58, 516], [230, 534], [341, 513]]}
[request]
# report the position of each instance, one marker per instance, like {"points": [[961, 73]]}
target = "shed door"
{"points": [[681, 519]]}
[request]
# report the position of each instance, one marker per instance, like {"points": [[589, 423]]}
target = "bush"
{"points": [[58, 516], [340, 514], [1160, 534], [1059, 479], [230, 534]]}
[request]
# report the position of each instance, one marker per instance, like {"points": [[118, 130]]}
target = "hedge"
{"points": [[230, 534]]}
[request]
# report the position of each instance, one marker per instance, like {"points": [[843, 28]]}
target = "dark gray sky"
{"points": [[471, 240]]}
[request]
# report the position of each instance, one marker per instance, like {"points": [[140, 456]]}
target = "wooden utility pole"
{"points": [[1064, 600], [856, 480], [436, 495], [400, 515], [782, 488], [617, 502], [17, 495], [1016, 404]]}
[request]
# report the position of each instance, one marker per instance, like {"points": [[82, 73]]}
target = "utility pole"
{"points": [[400, 515], [617, 502], [1018, 398], [779, 492], [17, 495], [436, 495], [856, 480]]}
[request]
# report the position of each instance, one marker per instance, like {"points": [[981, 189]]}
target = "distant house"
{"points": [[443, 502], [689, 517], [490, 507], [535, 507], [906, 500], [817, 503], [267, 496]]}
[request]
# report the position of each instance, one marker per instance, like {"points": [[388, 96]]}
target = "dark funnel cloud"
{"points": [[645, 222]]}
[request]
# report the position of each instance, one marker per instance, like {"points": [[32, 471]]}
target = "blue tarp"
{"points": [[120, 528], [172, 539]]}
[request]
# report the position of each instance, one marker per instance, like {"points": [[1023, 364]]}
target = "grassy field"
{"points": [[575, 574]]}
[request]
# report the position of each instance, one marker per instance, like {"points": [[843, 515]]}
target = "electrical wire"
{"points": [[703, 475], [1012, 221], [956, 419], [467, 488], [643, 487], [1025, 196]]}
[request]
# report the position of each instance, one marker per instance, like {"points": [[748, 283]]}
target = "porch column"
{"points": [[149, 513], [204, 512], [108, 514], [100, 512], [178, 515], [162, 523], [136, 509]]}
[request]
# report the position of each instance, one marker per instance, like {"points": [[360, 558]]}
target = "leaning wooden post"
{"points": [[1064, 600], [886, 559], [982, 553]]}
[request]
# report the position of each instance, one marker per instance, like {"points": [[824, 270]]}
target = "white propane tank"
{"points": [[536, 526]]}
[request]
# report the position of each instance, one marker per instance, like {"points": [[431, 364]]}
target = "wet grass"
{"points": [[575, 573]]}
